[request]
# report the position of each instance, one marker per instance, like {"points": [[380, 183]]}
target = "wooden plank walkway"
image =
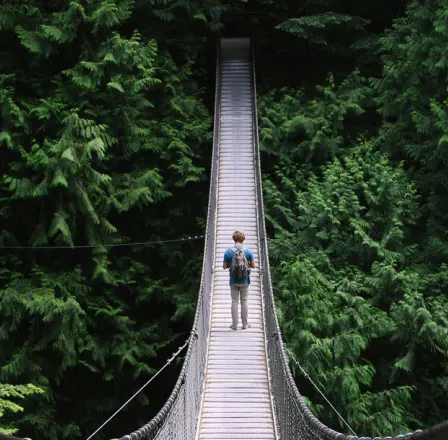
{"points": [[236, 402]]}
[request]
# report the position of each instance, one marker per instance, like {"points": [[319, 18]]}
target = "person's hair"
{"points": [[239, 236]]}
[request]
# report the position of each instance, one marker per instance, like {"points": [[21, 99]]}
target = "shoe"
{"points": [[246, 326], [233, 327]]}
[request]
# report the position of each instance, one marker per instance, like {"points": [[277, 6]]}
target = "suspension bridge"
{"points": [[238, 385]]}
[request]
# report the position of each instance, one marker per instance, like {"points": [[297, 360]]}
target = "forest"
{"points": [[106, 127]]}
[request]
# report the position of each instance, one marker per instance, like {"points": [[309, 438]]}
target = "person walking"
{"points": [[239, 260]]}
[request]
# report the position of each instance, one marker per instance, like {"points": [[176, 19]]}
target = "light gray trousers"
{"points": [[239, 291]]}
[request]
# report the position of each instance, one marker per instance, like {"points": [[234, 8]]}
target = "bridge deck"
{"points": [[236, 402]]}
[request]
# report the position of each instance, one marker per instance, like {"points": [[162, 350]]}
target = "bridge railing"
{"points": [[11, 437], [178, 417], [294, 419]]}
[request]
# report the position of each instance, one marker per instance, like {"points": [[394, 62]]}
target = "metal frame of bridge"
{"points": [[236, 402]]}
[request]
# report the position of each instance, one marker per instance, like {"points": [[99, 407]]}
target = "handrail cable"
{"points": [[11, 437], [168, 362], [90, 246], [318, 389]]}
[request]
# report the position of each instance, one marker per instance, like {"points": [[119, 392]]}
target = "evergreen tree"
{"points": [[9, 393], [358, 235], [105, 140], [103, 136], [348, 232], [413, 100]]}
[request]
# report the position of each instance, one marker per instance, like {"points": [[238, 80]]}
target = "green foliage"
{"points": [[312, 129], [315, 28], [345, 289], [299, 133], [412, 98], [103, 135], [357, 208], [9, 393], [105, 139]]}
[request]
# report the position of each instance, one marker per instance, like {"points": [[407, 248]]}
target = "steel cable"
{"points": [[168, 362], [90, 246]]}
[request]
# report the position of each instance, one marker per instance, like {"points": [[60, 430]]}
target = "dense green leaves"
{"points": [[11, 393], [348, 236], [356, 206], [314, 27], [104, 139], [412, 98], [102, 125]]}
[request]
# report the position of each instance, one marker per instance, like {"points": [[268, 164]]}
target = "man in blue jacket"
{"points": [[239, 288]]}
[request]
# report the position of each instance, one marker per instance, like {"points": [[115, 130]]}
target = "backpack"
{"points": [[239, 267]]}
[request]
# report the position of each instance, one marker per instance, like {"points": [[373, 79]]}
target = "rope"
{"points": [[318, 389], [142, 388], [196, 237]]}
